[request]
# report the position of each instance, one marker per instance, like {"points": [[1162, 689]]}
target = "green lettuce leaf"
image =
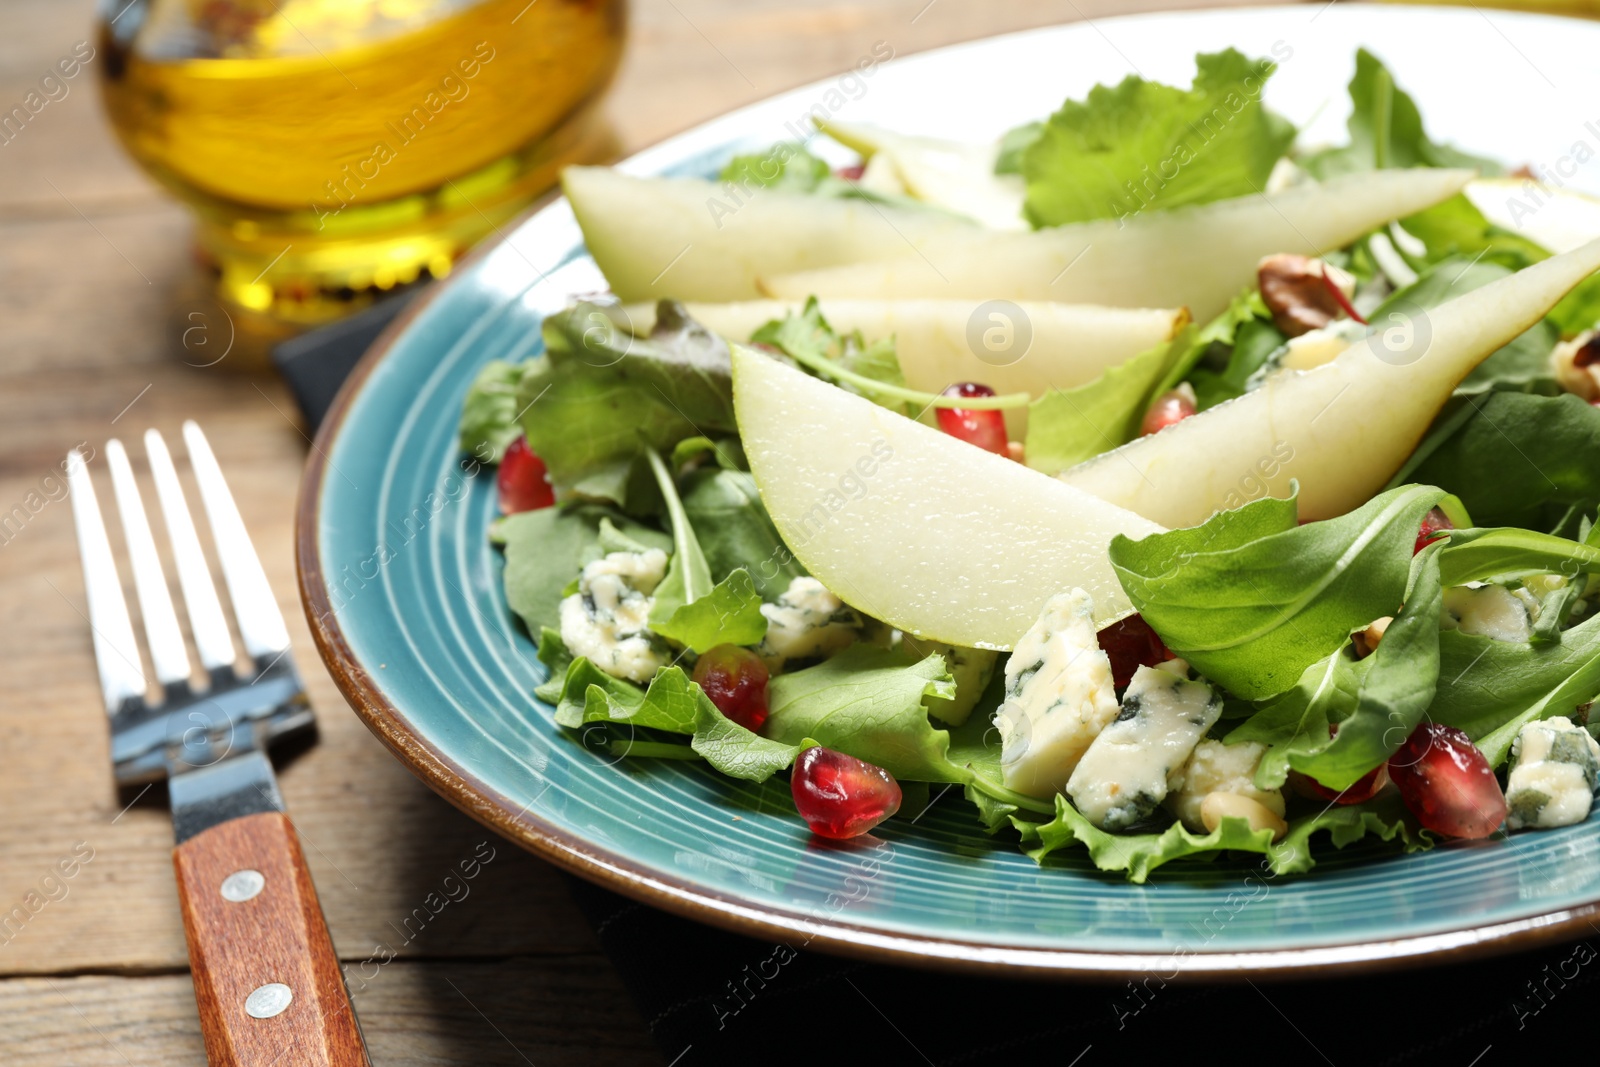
{"points": [[545, 549], [1068, 426], [1142, 145], [867, 701], [1386, 131], [1251, 601], [1518, 460], [489, 411], [598, 393], [1137, 855]]}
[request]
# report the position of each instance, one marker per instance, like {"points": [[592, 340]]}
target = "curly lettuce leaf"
{"points": [[1251, 600], [1137, 855], [1142, 145]]}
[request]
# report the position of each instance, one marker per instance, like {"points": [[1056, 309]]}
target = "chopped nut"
{"points": [[1293, 289], [1014, 450], [1577, 365], [1218, 806], [1367, 640]]}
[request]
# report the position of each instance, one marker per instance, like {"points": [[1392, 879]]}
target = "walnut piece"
{"points": [[1293, 289]]}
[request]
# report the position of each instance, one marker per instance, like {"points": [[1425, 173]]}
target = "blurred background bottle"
{"points": [[335, 150]]}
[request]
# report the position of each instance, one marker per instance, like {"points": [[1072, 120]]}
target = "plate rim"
{"points": [[615, 870]]}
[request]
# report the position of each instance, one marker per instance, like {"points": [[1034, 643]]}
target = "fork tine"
{"points": [[115, 652], [210, 626], [167, 651], [260, 622]]}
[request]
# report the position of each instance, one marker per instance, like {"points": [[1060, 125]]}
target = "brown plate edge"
{"points": [[622, 875]]}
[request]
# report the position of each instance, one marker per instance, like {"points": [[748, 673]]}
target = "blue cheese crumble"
{"points": [[1059, 696], [970, 667], [607, 619], [1491, 611], [1219, 768], [1123, 776], [807, 622], [1555, 768]]}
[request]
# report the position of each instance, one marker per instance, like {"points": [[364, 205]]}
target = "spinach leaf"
{"points": [[1068, 426], [1386, 131], [1252, 616], [1491, 689], [689, 608], [867, 701], [734, 530], [598, 393], [1519, 460], [546, 549], [1254, 343], [1142, 145], [489, 411]]}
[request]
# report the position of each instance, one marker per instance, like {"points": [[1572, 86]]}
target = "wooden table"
{"points": [[89, 248]]}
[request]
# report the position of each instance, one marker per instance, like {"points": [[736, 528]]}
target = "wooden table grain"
{"points": [[92, 967]]}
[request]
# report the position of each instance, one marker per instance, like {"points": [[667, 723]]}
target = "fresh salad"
{"points": [[1156, 483]]}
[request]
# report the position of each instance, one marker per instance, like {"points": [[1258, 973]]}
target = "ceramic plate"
{"points": [[405, 599]]}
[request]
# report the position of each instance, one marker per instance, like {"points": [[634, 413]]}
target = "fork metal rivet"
{"points": [[268, 1000], [241, 886]]}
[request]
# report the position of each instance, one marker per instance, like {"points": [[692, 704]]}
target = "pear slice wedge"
{"points": [[1342, 429], [912, 526], [1199, 257]]}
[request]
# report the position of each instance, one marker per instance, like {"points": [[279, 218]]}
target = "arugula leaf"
{"points": [[557, 658], [867, 701], [1386, 131], [728, 452], [1397, 683], [1507, 554], [1254, 342], [688, 608], [1211, 344], [546, 548], [598, 393], [1519, 460], [1068, 426], [1253, 615], [1296, 723], [1456, 228], [489, 411], [807, 338], [1139, 854], [1522, 365], [735, 751], [727, 515], [1171, 146], [1491, 689]]}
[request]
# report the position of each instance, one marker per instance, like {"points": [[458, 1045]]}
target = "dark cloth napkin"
{"points": [[711, 997]]}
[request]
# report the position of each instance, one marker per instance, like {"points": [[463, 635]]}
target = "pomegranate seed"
{"points": [[736, 681], [1365, 788], [1434, 525], [1170, 407], [986, 429], [840, 796], [522, 480], [1130, 644], [1447, 784], [851, 173]]}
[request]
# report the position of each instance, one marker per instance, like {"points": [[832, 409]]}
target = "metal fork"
{"points": [[267, 980]]}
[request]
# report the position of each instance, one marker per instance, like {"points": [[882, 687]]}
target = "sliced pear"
{"points": [[1199, 257], [1342, 429], [1557, 219], [939, 341], [950, 174], [928, 533], [701, 240]]}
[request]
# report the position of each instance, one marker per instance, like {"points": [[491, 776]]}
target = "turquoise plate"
{"points": [[404, 595]]}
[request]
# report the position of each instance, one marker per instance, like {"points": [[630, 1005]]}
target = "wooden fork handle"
{"points": [[266, 977]]}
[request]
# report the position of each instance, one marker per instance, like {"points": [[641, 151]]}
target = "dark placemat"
{"points": [[711, 997]]}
